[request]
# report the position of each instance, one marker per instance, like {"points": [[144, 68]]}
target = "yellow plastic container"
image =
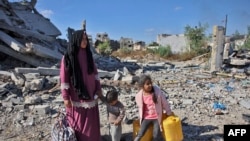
{"points": [[148, 136], [172, 128]]}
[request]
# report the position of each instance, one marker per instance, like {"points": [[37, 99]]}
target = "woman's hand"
{"points": [[67, 103], [99, 93], [171, 114], [117, 123]]}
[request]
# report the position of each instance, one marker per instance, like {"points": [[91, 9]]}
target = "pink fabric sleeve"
{"points": [[97, 79], [64, 80], [165, 104]]}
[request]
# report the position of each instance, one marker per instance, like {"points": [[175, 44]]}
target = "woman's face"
{"points": [[84, 41], [147, 87]]}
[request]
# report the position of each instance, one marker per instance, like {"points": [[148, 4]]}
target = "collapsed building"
{"points": [[225, 57], [28, 36], [31, 38]]}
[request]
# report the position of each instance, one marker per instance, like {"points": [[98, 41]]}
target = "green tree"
{"points": [[196, 37], [236, 34], [125, 50], [153, 44], [247, 42], [163, 51], [104, 48], [248, 30]]}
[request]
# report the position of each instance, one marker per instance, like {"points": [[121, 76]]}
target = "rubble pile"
{"points": [[238, 62], [30, 94], [28, 36], [30, 99]]}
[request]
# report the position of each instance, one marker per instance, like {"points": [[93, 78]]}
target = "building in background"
{"points": [[126, 42], [103, 37], [139, 45], [178, 43]]}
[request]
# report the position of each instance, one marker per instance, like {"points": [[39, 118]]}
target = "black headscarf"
{"points": [[72, 63]]}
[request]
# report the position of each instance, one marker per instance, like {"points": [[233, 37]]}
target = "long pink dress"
{"points": [[85, 121]]}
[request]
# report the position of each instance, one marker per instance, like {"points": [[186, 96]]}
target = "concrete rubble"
{"points": [[35, 43], [30, 97]]}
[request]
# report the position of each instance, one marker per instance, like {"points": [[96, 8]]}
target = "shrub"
{"points": [[125, 50], [104, 48], [162, 51]]}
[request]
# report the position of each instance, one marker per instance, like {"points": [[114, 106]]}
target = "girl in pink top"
{"points": [[151, 103]]}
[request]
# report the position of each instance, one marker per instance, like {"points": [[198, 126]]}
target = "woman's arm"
{"points": [[98, 88], [165, 104], [65, 84]]}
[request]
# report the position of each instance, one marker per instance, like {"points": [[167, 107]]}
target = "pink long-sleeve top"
{"points": [[161, 105]]}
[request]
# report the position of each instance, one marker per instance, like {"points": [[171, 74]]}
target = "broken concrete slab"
{"points": [[37, 22], [34, 60], [14, 44], [27, 33], [43, 51], [245, 103], [6, 73], [40, 70], [40, 109]]}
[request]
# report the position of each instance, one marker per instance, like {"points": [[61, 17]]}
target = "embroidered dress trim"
{"points": [[64, 86], [85, 105], [97, 77]]}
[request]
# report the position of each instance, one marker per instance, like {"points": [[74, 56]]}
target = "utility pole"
{"points": [[225, 26], [84, 25]]}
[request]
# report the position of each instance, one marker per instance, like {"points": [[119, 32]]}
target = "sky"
{"points": [[143, 20]]}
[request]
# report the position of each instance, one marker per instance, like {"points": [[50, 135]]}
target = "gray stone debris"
{"points": [[192, 95], [30, 95], [245, 103]]}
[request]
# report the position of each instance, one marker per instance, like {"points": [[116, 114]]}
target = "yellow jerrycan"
{"points": [[172, 128], [148, 136]]}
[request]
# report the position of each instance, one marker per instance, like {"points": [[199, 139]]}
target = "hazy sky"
{"points": [[144, 19]]}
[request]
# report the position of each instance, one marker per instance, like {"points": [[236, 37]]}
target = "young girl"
{"points": [[151, 103]]}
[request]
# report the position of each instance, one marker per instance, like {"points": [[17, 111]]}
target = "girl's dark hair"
{"points": [[111, 96], [142, 81]]}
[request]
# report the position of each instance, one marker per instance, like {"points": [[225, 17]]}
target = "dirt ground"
{"points": [[200, 122]]}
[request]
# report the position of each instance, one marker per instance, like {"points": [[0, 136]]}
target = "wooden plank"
{"points": [[231, 75], [200, 56]]}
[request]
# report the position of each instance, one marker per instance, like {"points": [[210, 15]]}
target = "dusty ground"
{"points": [[200, 122]]}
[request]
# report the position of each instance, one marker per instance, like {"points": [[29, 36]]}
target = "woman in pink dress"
{"points": [[79, 86]]}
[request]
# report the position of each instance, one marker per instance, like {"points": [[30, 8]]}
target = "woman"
{"points": [[80, 85]]}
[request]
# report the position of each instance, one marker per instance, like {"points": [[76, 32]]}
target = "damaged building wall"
{"points": [[178, 43], [217, 48]]}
